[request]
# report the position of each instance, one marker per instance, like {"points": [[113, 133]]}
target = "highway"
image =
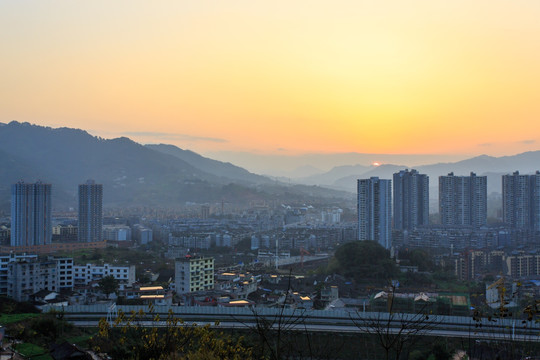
{"points": [[477, 335], [317, 321]]}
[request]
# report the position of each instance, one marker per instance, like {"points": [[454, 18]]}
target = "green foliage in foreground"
{"points": [[41, 330], [32, 351], [128, 339], [7, 319], [10, 306], [80, 340]]}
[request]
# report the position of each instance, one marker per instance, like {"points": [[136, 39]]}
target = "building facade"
{"points": [[31, 214], [90, 212], [117, 232], [523, 265], [411, 200], [85, 274], [142, 234], [375, 210], [4, 261], [463, 200], [194, 274], [521, 201], [24, 275]]}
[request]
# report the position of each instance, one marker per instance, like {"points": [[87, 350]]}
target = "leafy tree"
{"points": [[170, 338], [364, 259], [420, 258], [108, 285]]}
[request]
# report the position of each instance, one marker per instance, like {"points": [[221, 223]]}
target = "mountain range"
{"points": [[165, 175], [344, 177], [132, 174]]}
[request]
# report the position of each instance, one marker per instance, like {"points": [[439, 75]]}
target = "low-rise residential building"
{"points": [[142, 234], [329, 294], [23, 275], [415, 303], [65, 233], [194, 274], [155, 295], [237, 285], [26, 277], [522, 265], [85, 274], [5, 235], [116, 232], [4, 261], [64, 269]]}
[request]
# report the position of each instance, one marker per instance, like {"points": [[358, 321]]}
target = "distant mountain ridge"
{"points": [[214, 167], [132, 174], [165, 175], [490, 166]]}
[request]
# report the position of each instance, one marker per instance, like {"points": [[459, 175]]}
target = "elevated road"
{"points": [[316, 321]]}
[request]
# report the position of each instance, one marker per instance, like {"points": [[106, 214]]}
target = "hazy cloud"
{"points": [[173, 136], [527, 142], [485, 144]]}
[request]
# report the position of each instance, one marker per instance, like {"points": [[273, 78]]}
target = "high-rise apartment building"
{"points": [[30, 214], [90, 212], [411, 199], [463, 200], [375, 210], [521, 201]]}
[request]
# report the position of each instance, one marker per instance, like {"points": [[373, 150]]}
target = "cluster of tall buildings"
{"points": [[410, 205], [462, 203], [31, 222]]}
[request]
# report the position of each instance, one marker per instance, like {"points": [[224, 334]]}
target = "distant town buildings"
{"points": [[142, 234], [117, 232], [411, 199], [463, 200], [331, 216], [90, 212], [31, 214], [521, 201], [205, 211], [474, 263], [67, 233], [375, 210]]}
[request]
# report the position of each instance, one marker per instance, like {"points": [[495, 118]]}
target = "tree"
{"points": [[364, 259], [108, 285], [144, 335], [418, 257]]}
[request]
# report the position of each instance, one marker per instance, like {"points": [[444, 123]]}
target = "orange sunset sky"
{"points": [[303, 76]]}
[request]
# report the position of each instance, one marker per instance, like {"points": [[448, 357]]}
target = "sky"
{"points": [[280, 78]]}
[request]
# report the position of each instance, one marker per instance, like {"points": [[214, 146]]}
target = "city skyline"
{"points": [[419, 77]]}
